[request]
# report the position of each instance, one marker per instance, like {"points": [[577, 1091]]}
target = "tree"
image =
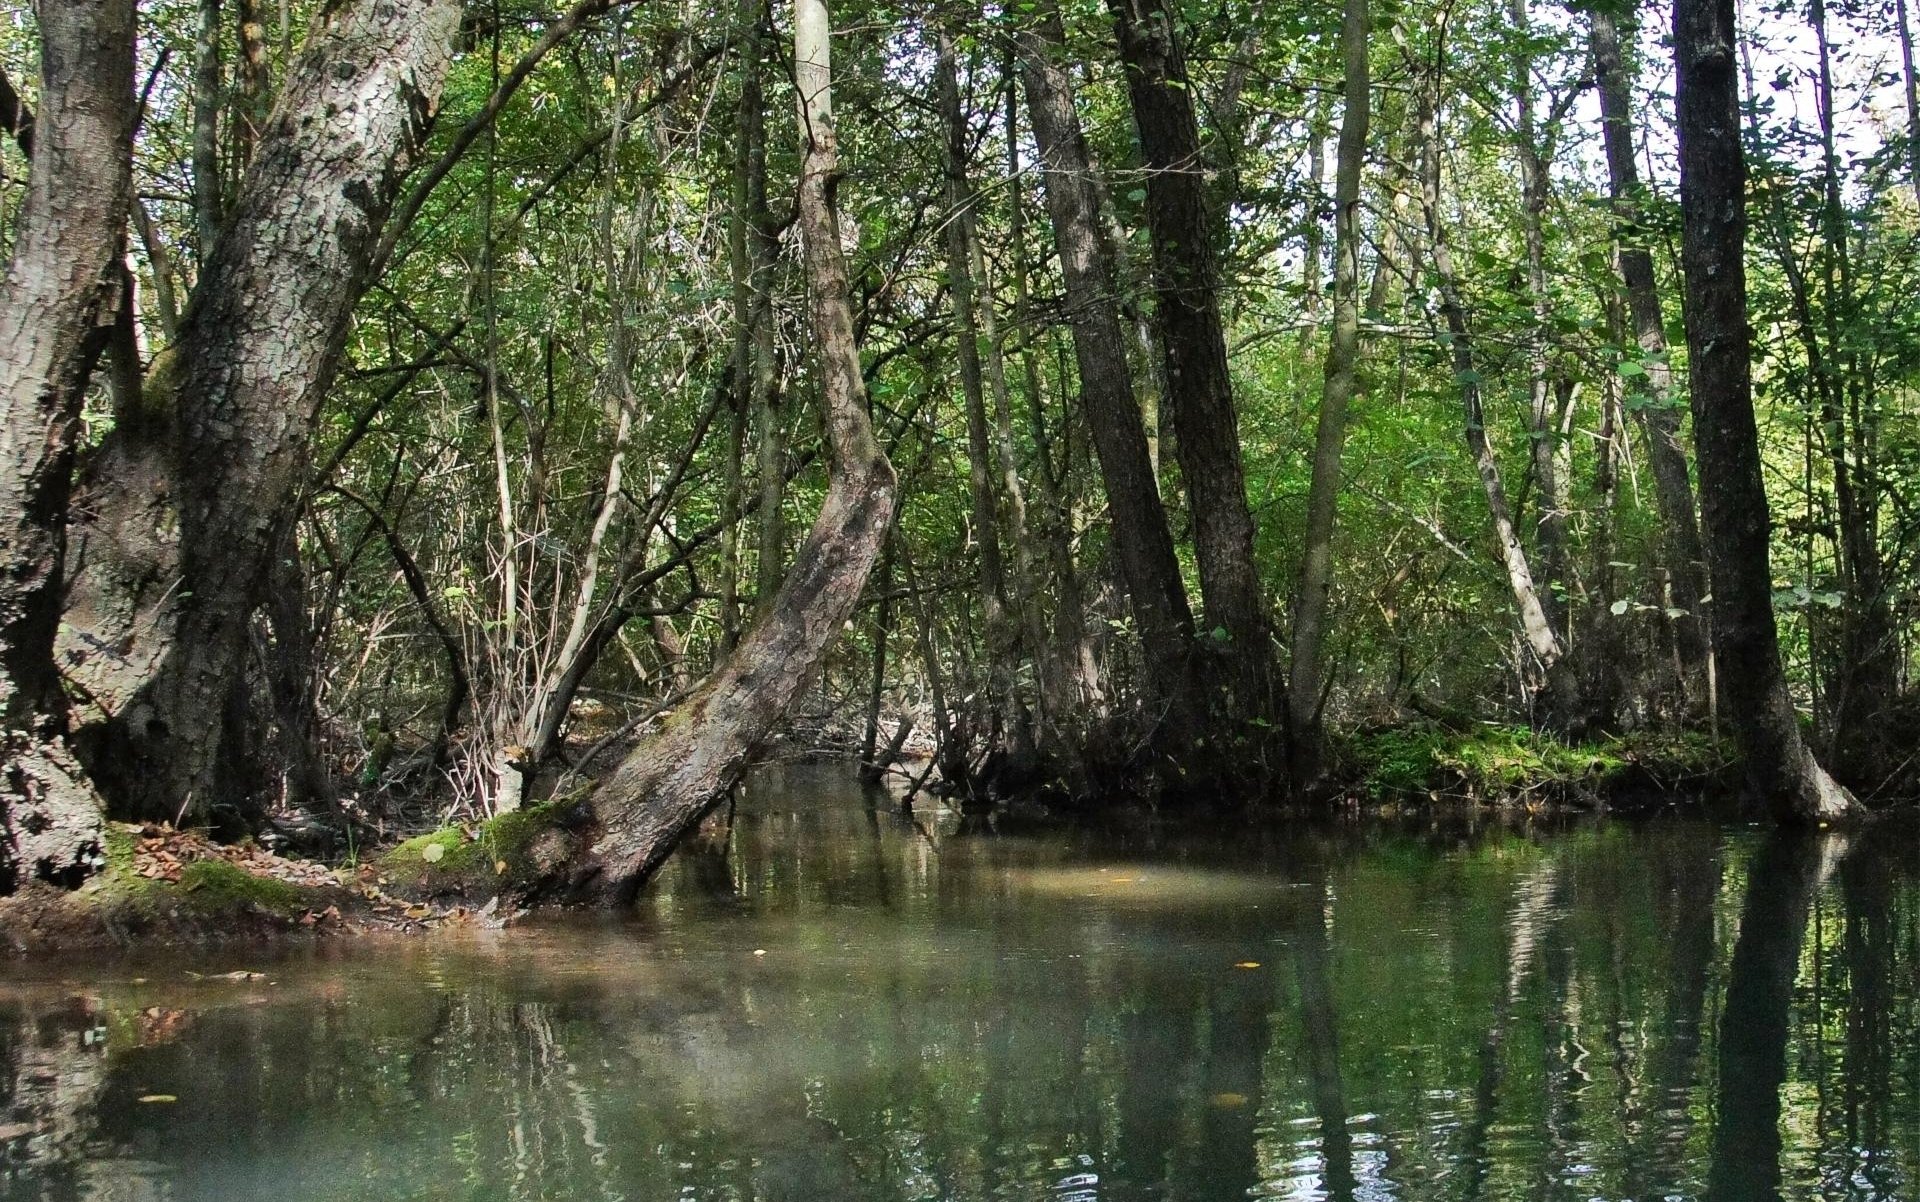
{"points": [[1192, 338], [643, 808], [1659, 416], [58, 305], [191, 496], [1305, 693], [1543, 641], [1734, 510], [1142, 542]]}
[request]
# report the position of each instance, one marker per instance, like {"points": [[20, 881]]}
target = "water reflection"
{"points": [[833, 1000]]}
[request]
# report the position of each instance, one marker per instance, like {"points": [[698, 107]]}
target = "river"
{"points": [[844, 1003]]}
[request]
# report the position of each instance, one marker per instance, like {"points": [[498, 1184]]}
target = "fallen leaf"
{"points": [[1247, 964], [433, 853], [158, 1097]]}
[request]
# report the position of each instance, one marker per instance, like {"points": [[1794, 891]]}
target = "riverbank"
{"points": [[159, 886]]}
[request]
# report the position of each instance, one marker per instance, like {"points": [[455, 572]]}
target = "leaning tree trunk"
{"points": [[1142, 543], [1659, 418], [191, 497], [1330, 435], [57, 308], [1713, 174], [1193, 344], [657, 795]]}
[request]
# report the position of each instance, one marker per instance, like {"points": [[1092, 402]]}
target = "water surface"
{"points": [[842, 1003]]}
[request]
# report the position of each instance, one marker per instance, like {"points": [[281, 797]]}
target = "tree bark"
{"points": [[189, 499], [660, 792], [1142, 543], [208, 205], [57, 309], [1240, 676], [1336, 393], [1659, 417], [1734, 512]]}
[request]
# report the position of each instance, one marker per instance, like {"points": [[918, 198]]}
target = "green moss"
{"points": [[210, 899], [118, 884], [1511, 763], [219, 885], [474, 857], [118, 843]]}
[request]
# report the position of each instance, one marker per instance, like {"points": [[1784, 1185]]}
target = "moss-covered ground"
{"points": [[481, 859], [1512, 765]]}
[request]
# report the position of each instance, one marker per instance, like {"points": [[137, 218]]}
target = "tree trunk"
{"points": [[643, 809], [57, 308], [1659, 417], [1911, 80], [208, 204], [1736, 523], [754, 247], [1074, 684], [190, 499], [250, 101], [1142, 542], [1023, 579], [1002, 638], [1541, 639], [748, 205], [1193, 343], [1549, 488], [1330, 434]]}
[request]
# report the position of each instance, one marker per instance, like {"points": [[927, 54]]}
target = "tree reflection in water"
{"points": [[834, 1002]]}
